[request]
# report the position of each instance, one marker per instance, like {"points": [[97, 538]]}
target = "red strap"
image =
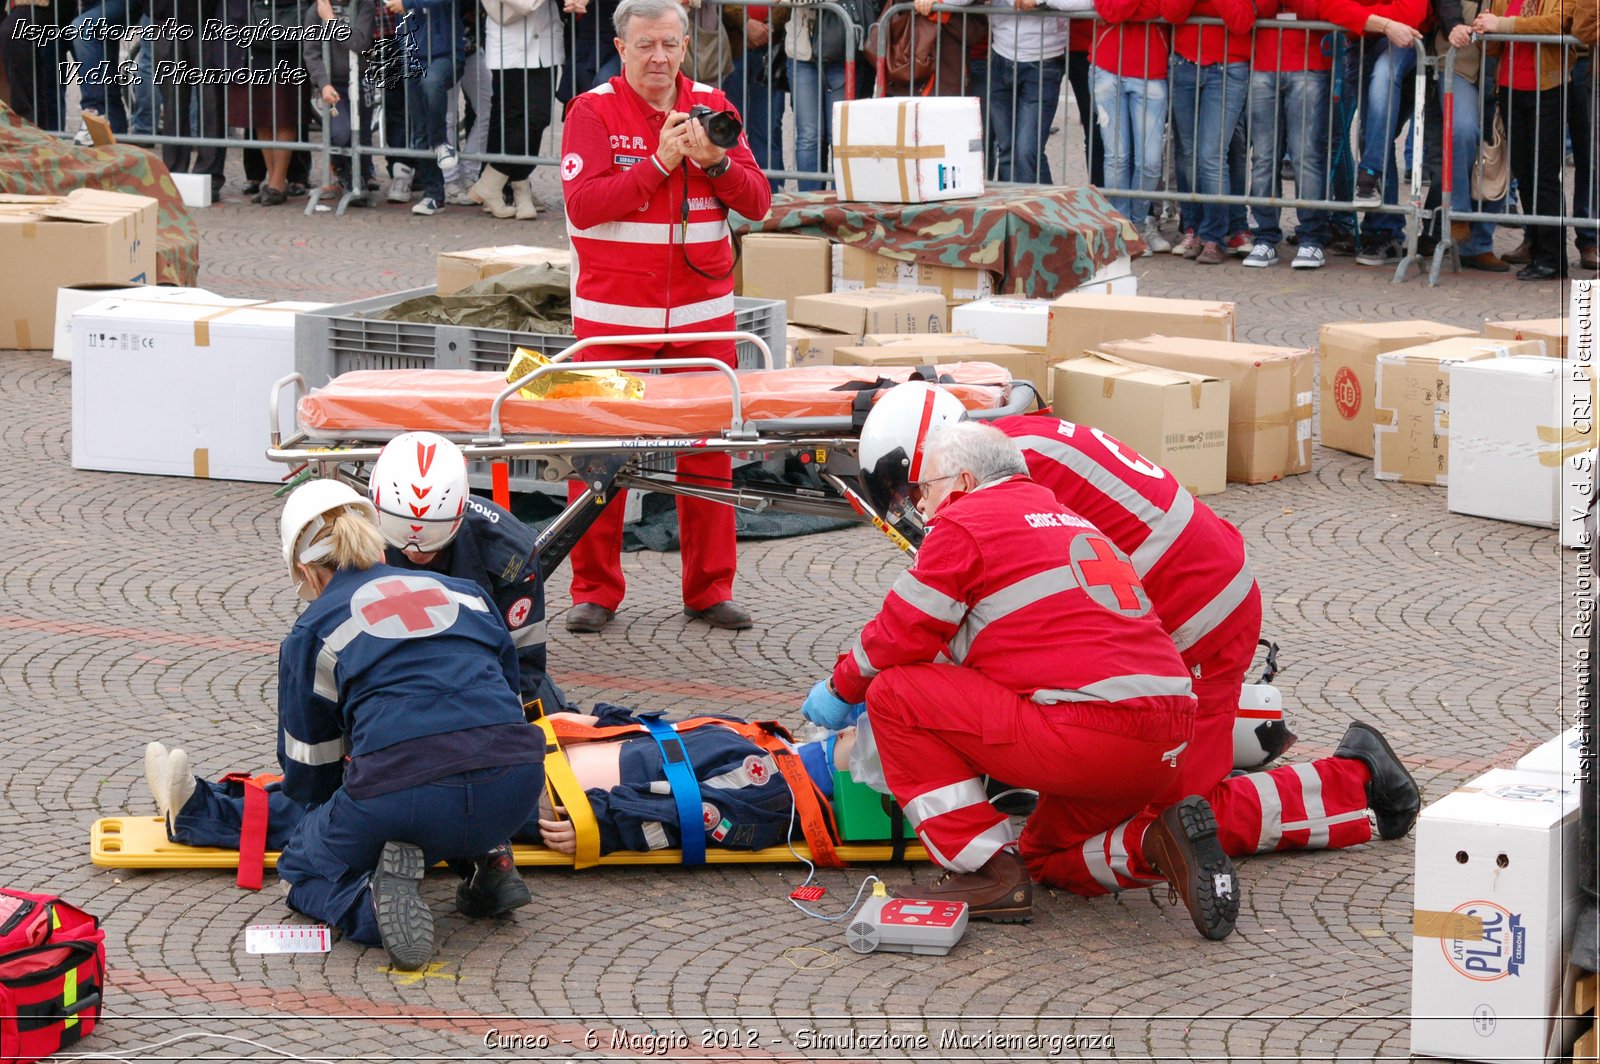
{"points": [[252, 827]]}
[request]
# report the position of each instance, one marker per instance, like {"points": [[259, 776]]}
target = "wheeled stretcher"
{"points": [[618, 443]]}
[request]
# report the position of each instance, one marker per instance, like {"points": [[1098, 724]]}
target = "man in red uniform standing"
{"points": [[648, 196], [1020, 644]]}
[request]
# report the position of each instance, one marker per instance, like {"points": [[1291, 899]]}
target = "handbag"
{"points": [[710, 56], [52, 975], [907, 45], [1491, 171], [288, 17], [828, 30]]}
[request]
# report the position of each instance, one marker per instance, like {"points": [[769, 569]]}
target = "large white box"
{"points": [[1508, 423], [908, 149], [1004, 321], [1561, 756], [179, 388], [1496, 899], [73, 298]]}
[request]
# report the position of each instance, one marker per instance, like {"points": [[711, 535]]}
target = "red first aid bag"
{"points": [[52, 975]]}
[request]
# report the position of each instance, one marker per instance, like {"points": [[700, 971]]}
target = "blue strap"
{"points": [[685, 788]]}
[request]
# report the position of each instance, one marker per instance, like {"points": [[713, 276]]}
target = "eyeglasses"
{"points": [[922, 485]]}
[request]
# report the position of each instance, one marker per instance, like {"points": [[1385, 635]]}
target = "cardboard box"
{"points": [[1411, 405], [1512, 427], [783, 265], [76, 297], [1024, 322], [1081, 322], [179, 388], [872, 310], [1553, 331], [955, 339], [1177, 420], [458, 269], [48, 242], [1023, 365], [193, 189], [1349, 355], [908, 149], [815, 347], [855, 267], [1561, 757], [1270, 392], [1496, 899]]}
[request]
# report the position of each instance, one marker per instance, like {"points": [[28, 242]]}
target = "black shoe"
{"points": [[588, 617], [271, 197], [1182, 845], [1380, 252], [404, 921], [1391, 792], [495, 887], [1368, 194], [728, 615], [1341, 244], [297, 189], [251, 188], [1542, 271], [1012, 801]]}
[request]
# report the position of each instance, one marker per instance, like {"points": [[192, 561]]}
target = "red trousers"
{"points": [[707, 534], [940, 727]]}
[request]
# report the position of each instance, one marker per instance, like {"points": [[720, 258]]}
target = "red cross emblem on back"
{"points": [[398, 600], [1108, 577], [403, 607]]}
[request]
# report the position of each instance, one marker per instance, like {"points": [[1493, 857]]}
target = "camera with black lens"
{"points": [[722, 127]]}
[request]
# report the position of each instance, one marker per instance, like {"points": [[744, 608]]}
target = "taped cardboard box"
{"points": [[872, 310], [1023, 365], [49, 242], [76, 297], [1562, 756], [1349, 356], [1270, 391], [160, 386], [458, 269], [1177, 420], [1514, 427], [1496, 899], [783, 266], [1411, 405], [815, 347], [1553, 331], [908, 150], [949, 339], [856, 267], [1081, 322]]}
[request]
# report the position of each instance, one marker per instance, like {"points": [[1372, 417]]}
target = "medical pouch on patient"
{"points": [[52, 975]]}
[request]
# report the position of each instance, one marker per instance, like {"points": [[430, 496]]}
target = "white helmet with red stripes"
{"points": [[419, 485], [893, 437]]}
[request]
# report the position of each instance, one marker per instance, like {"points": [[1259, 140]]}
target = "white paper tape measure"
{"points": [[287, 938]]}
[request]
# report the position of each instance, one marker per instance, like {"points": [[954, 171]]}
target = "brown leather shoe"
{"points": [[588, 617], [1488, 262], [1522, 256], [1000, 891], [1589, 258], [1182, 845], [1459, 231], [729, 615]]}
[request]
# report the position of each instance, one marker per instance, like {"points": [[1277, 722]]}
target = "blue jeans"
{"points": [[1132, 117], [1464, 148], [748, 89], [1022, 107], [813, 113], [329, 860], [105, 97], [427, 100], [1206, 104], [214, 814], [1289, 109], [1384, 73]]}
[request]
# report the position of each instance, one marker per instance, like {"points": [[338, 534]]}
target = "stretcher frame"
{"points": [[606, 465]]}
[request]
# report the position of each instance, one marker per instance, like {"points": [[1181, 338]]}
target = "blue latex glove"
{"points": [[824, 707]]}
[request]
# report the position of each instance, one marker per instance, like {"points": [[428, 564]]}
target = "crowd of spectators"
{"points": [[1255, 100]]}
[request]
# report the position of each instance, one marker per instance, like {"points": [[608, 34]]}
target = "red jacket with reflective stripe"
{"points": [[1013, 585], [626, 220], [1191, 561]]}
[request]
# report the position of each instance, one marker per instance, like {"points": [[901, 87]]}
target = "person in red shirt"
{"points": [[647, 196]]}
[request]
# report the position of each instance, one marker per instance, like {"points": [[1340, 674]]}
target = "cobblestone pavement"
{"points": [[146, 607]]}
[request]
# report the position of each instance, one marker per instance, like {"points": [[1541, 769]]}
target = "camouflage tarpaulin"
{"points": [[1040, 242], [34, 163]]}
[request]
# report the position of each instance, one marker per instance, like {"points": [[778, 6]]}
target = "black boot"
{"points": [[495, 886], [1391, 792]]}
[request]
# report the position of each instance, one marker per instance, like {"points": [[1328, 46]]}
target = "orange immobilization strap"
{"points": [[252, 827]]}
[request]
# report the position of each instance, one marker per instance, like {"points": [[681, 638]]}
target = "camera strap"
{"points": [[684, 237]]}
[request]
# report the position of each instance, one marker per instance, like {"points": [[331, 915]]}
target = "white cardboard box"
{"points": [[73, 298], [193, 189], [1507, 424], [1496, 900], [1561, 756], [1004, 321], [908, 149], [179, 388]]}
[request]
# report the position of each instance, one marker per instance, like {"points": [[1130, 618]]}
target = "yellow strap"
{"points": [[569, 793], [69, 985]]}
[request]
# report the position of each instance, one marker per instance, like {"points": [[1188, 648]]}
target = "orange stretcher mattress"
{"points": [[674, 404]]}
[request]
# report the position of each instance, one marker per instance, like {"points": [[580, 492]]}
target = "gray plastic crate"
{"points": [[346, 337]]}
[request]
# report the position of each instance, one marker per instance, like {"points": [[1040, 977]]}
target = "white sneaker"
{"points": [[400, 184], [1262, 255], [171, 782], [427, 205], [1153, 240], [449, 162], [455, 193], [1307, 258], [82, 138]]}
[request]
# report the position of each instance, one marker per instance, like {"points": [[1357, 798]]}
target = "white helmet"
{"points": [[302, 518], [892, 440], [419, 485]]}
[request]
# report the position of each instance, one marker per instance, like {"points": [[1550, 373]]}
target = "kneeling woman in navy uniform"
{"points": [[414, 677]]}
